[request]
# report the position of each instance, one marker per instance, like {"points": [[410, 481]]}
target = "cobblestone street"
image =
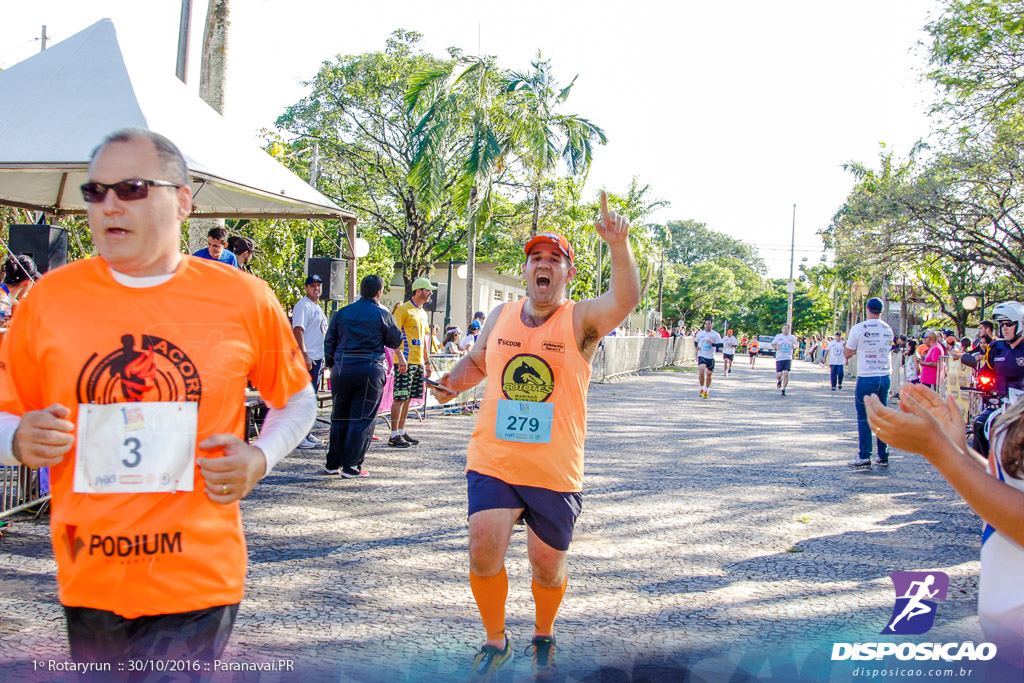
{"points": [[713, 531]]}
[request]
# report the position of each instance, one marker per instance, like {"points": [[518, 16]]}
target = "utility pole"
{"points": [[791, 287], [184, 31], [43, 39], [212, 87]]}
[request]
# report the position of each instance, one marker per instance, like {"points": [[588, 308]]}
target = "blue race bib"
{"points": [[524, 421]]}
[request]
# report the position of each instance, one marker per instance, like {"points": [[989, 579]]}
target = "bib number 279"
{"points": [[524, 421]]}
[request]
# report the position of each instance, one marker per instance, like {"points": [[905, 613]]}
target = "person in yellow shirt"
{"points": [[525, 457], [412, 321]]}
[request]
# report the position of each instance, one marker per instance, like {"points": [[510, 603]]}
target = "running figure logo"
{"points": [[914, 611]]}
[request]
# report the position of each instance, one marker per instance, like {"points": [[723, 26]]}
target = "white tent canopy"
{"points": [[58, 105]]}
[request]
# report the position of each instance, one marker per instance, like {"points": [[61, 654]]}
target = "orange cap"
{"points": [[551, 238]]}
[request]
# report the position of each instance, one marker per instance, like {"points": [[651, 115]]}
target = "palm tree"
{"points": [[547, 135], [464, 98]]}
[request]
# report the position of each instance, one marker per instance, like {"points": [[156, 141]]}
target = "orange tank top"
{"points": [[533, 365]]}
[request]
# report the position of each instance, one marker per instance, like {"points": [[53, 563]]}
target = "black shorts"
{"points": [[408, 384], [783, 365], [727, 356], [709, 362], [97, 635], [551, 514]]}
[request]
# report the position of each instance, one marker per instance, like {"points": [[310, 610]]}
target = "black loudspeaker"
{"points": [[438, 300], [46, 244], [332, 271]]}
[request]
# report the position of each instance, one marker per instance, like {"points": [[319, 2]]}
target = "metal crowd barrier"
{"points": [[624, 355], [22, 488]]}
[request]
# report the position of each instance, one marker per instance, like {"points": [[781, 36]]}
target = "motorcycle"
{"points": [[990, 405]]}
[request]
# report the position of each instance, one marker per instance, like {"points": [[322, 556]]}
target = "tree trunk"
{"points": [[212, 86], [536, 207], [471, 257]]}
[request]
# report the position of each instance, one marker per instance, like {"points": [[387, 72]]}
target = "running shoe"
{"points": [[859, 462], [397, 442], [778, 385], [315, 441], [881, 463], [489, 660], [328, 470], [347, 473], [544, 666], [783, 392], [306, 444], [409, 440]]}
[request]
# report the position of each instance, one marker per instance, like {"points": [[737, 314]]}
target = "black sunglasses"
{"points": [[126, 190]]}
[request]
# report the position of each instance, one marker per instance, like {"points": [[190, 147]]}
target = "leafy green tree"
{"points": [[766, 313], [368, 139], [977, 57], [693, 242]]}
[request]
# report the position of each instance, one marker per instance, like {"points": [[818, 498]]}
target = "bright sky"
{"points": [[731, 111]]}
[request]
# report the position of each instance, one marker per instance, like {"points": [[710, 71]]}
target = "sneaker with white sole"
{"points": [[347, 473], [859, 462], [306, 444], [315, 441], [328, 470], [881, 463]]}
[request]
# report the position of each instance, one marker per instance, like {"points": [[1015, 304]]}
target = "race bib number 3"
{"points": [[146, 447], [524, 421]]}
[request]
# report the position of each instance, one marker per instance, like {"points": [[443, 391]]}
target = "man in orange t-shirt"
{"points": [[525, 457], [137, 407]]}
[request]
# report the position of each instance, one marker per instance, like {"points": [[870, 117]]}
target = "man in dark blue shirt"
{"points": [[1005, 356], [354, 352]]}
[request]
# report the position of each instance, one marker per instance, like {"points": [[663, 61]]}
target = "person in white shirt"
{"points": [[309, 325], [835, 356], [785, 344], [729, 345], [471, 336], [706, 341], [870, 341]]}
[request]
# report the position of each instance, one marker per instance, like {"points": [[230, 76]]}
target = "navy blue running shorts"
{"points": [[781, 365], [710, 362], [551, 514]]}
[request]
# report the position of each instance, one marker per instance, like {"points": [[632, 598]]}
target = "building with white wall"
{"points": [[492, 288]]}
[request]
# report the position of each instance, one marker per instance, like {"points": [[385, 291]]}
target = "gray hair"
{"points": [[170, 155]]}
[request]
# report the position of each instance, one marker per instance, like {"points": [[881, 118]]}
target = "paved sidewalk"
{"points": [[713, 531]]}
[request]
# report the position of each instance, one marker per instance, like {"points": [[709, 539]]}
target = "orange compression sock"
{"points": [[548, 601], [490, 593]]}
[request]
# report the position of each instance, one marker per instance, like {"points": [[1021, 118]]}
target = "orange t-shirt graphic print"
{"points": [[84, 338]]}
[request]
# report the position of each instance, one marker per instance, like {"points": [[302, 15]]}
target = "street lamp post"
{"points": [[791, 287], [448, 295]]}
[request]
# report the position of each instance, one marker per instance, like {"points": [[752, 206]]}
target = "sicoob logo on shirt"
{"points": [[527, 378], [156, 371]]}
